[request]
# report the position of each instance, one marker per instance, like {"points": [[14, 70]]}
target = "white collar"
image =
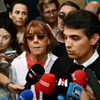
{"points": [[91, 60]]}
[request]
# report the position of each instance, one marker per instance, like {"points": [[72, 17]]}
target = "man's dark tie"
{"points": [[77, 66]]}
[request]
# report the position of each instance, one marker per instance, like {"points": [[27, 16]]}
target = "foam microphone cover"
{"points": [[47, 83], [25, 95], [79, 77], [34, 74]]}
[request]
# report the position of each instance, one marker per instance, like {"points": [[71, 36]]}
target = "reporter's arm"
{"points": [[15, 88], [5, 82]]}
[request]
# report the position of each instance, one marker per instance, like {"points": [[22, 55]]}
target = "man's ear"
{"points": [[94, 39]]}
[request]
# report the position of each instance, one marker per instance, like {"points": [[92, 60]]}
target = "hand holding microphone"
{"points": [[33, 76]]}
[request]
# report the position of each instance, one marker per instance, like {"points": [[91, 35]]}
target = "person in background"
{"points": [[38, 44], [94, 6], [19, 14], [5, 82], [63, 10], [48, 10], [8, 51]]}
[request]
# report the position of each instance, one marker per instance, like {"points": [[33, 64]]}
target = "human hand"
{"points": [[4, 58], [87, 94], [15, 88]]}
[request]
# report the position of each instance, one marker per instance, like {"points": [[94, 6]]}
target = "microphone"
{"points": [[62, 84], [79, 77], [25, 95], [74, 91], [47, 83], [75, 87], [34, 74]]}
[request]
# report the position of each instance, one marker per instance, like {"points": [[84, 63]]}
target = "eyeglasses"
{"points": [[31, 36], [61, 15], [54, 11]]}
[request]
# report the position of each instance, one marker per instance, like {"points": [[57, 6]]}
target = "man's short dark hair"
{"points": [[84, 20]]}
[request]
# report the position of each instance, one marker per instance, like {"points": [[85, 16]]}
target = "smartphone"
{"points": [[8, 53]]}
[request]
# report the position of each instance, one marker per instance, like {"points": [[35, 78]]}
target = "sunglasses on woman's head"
{"points": [[31, 36], [61, 15]]}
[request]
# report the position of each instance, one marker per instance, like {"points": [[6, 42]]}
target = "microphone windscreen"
{"points": [[79, 77], [25, 95], [74, 91], [34, 74], [47, 83]]}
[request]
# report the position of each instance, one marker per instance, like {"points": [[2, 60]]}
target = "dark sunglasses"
{"points": [[31, 36], [61, 15]]}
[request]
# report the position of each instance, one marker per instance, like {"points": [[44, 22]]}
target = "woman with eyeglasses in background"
{"points": [[63, 10], [38, 45], [48, 10]]}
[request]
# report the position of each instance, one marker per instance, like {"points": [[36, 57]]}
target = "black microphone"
{"points": [[34, 74], [62, 84], [93, 82]]}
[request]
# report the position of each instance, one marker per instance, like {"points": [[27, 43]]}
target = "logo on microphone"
{"points": [[77, 91], [63, 82]]}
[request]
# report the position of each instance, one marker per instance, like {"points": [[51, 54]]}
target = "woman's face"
{"points": [[5, 39], [50, 13], [37, 42]]}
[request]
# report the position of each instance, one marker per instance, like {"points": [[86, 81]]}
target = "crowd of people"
{"points": [[64, 38]]}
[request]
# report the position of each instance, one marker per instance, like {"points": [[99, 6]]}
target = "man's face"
{"points": [[65, 10], [19, 14], [78, 45], [50, 13]]}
